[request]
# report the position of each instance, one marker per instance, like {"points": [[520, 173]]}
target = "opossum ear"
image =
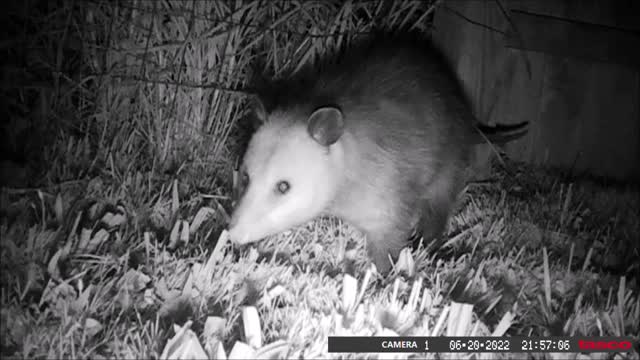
{"points": [[259, 110], [326, 125]]}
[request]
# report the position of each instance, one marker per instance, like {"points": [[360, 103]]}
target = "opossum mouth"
{"points": [[243, 235], [242, 239]]}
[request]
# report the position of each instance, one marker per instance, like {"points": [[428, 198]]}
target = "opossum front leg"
{"points": [[438, 202], [382, 244], [435, 216]]}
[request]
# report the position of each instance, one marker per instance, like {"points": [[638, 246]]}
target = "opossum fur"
{"points": [[380, 138]]}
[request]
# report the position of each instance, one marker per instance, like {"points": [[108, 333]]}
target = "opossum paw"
{"points": [[382, 265], [381, 257]]}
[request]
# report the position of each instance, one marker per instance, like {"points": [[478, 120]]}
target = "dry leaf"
{"points": [[85, 238], [135, 280], [223, 239], [275, 350], [188, 289], [441, 319], [212, 333], [426, 301], [184, 234], [94, 210], [215, 349], [252, 328], [82, 302], [184, 345], [174, 236], [53, 268], [92, 327], [241, 351], [160, 216], [504, 324], [123, 298], [201, 216], [113, 220], [214, 327], [349, 291], [163, 290], [149, 297], [405, 263], [273, 294], [131, 287]]}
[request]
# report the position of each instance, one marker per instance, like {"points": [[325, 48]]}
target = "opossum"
{"points": [[380, 138]]}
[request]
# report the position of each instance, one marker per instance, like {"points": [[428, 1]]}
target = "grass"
{"points": [[517, 262]]}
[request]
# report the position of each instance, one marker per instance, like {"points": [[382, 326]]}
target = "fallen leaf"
{"points": [[184, 345], [214, 327], [201, 216], [215, 350], [184, 234], [241, 350], [252, 328], [212, 333], [216, 254], [149, 297], [276, 292], [54, 264], [82, 302], [349, 292], [175, 235], [405, 263], [92, 327], [135, 280], [113, 220], [85, 238], [275, 350]]}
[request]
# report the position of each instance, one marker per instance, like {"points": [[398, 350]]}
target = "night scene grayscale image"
{"points": [[320, 179]]}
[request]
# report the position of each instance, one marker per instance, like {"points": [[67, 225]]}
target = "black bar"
{"points": [[516, 344]]}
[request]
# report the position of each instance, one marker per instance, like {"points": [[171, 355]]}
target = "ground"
{"points": [[90, 272]]}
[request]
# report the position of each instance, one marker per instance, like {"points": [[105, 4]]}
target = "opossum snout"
{"points": [[237, 234], [233, 222]]}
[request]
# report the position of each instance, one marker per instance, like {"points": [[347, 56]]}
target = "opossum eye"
{"points": [[283, 187]]}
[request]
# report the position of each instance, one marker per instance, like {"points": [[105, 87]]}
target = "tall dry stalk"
{"points": [[165, 81]]}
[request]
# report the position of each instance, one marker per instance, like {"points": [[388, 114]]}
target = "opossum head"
{"points": [[289, 173]]}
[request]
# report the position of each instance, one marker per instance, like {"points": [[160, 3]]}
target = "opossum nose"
{"points": [[233, 233], [238, 237], [237, 234], [232, 223], [232, 228]]}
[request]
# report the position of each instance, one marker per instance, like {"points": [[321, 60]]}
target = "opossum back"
{"points": [[402, 73], [402, 104]]}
